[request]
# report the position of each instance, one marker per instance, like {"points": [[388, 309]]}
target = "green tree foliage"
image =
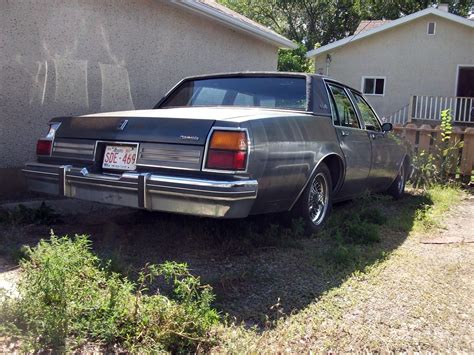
{"points": [[294, 60], [318, 22], [393, 9]]}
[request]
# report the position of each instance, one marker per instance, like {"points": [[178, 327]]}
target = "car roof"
{"points": [[250, 74]]}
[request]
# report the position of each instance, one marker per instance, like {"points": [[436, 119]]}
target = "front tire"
{"points": [[315, 204]]}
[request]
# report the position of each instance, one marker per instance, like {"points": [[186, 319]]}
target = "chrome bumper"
{"points": [[211, 198]]}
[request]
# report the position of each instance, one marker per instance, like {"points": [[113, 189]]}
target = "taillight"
{"points": [[227, 150], [43, 147]]}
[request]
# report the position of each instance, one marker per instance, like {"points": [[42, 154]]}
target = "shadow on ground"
{"points": [[261, 268]]}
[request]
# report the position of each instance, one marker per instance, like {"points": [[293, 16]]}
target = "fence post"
{"points": [[410, 133], [467, 158], [410, 109], [424, 138], [437, 141]]}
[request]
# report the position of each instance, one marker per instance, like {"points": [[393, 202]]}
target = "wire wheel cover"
{"points": [[318, 199]]}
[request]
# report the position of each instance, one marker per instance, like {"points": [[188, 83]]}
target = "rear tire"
{"points": [[315, 204], [397, 189]]}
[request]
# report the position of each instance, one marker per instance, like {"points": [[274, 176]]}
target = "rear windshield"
{"points": [[270, 92]]}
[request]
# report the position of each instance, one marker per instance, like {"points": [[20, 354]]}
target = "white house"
{"points": [[76, 57], [412, 67]]}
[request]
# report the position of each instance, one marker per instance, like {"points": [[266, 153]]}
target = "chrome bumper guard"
{"points": [[211, 198]]}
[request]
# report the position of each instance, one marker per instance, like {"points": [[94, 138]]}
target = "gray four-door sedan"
{"points": [[227, 145]]}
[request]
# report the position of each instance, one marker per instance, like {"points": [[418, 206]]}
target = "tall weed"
{"points": [[67, 298], [439, 165]]}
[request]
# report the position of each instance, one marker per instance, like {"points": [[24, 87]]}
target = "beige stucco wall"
{"points": [[413, 62], [69, 57]]}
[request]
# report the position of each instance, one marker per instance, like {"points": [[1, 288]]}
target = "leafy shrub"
{"points": [[449, 148], [441, 164], [425, 170], [67, 298], [25, 215]]}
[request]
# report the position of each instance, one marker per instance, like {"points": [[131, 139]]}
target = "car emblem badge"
{"points": [[189, 138], [122, 125]]}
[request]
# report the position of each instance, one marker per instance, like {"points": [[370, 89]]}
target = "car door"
{"points": [[354, 142], [384, 147]]}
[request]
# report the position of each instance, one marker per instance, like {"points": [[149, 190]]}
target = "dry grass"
{"points": [[283, 292], [419, 298]]}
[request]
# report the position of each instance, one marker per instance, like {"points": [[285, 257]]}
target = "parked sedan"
{"points": [[227, 145]]}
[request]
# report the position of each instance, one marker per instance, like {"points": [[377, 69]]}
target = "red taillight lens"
{"points": [[227, 160], [227, 150], [43, 147]]}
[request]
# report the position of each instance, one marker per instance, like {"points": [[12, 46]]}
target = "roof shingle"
{"points": [[367, 25]]}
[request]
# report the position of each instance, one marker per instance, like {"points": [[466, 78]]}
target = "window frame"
{"points": [[334, 109], [359, 113], [364, 77], [428, 28], [308, 108]]}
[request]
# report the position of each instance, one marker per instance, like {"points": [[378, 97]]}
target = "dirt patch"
{"points": [[460, 228]]}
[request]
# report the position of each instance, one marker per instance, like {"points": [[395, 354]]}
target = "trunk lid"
{"points": [[136, 129]]}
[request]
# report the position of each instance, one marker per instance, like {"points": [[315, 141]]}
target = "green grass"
{"points": [[70, 297], [441, 198], [67, 298], [362, 239]]}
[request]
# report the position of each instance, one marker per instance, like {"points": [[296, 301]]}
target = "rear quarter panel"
{"points": [[284, 152]]}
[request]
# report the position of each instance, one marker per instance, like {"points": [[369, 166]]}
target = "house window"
{"points": [[373, 85], [431, 28]]}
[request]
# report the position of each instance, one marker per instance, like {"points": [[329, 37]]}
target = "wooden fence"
{"points": [[426, 137]]}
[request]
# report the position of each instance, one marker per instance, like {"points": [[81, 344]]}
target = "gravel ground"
{"points": [[420, 299], [412, 295]]}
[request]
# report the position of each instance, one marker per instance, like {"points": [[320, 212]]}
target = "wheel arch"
{"points": [[335, 164]]}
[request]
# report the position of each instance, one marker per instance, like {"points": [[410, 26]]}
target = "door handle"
{"points": [[344, 133]]}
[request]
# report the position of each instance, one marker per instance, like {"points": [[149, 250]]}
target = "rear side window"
{"points": [[366, 114], [345, 112]]}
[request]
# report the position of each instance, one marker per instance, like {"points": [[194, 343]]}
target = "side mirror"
{"points": [[387, 127]]}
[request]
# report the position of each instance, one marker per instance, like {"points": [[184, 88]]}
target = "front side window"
{"points": [[269, 92], [366, 114], [346, 115], [373, 86]]}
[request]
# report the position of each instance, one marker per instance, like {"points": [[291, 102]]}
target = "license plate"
{"points": [[120, 157]]}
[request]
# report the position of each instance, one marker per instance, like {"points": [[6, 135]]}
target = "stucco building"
{"points": [[429, 53], [63, 57]]}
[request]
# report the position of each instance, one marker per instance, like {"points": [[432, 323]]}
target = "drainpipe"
{"points": [[328, 63]]}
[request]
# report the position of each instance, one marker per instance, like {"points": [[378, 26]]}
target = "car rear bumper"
{"points": [[201, 197]]}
